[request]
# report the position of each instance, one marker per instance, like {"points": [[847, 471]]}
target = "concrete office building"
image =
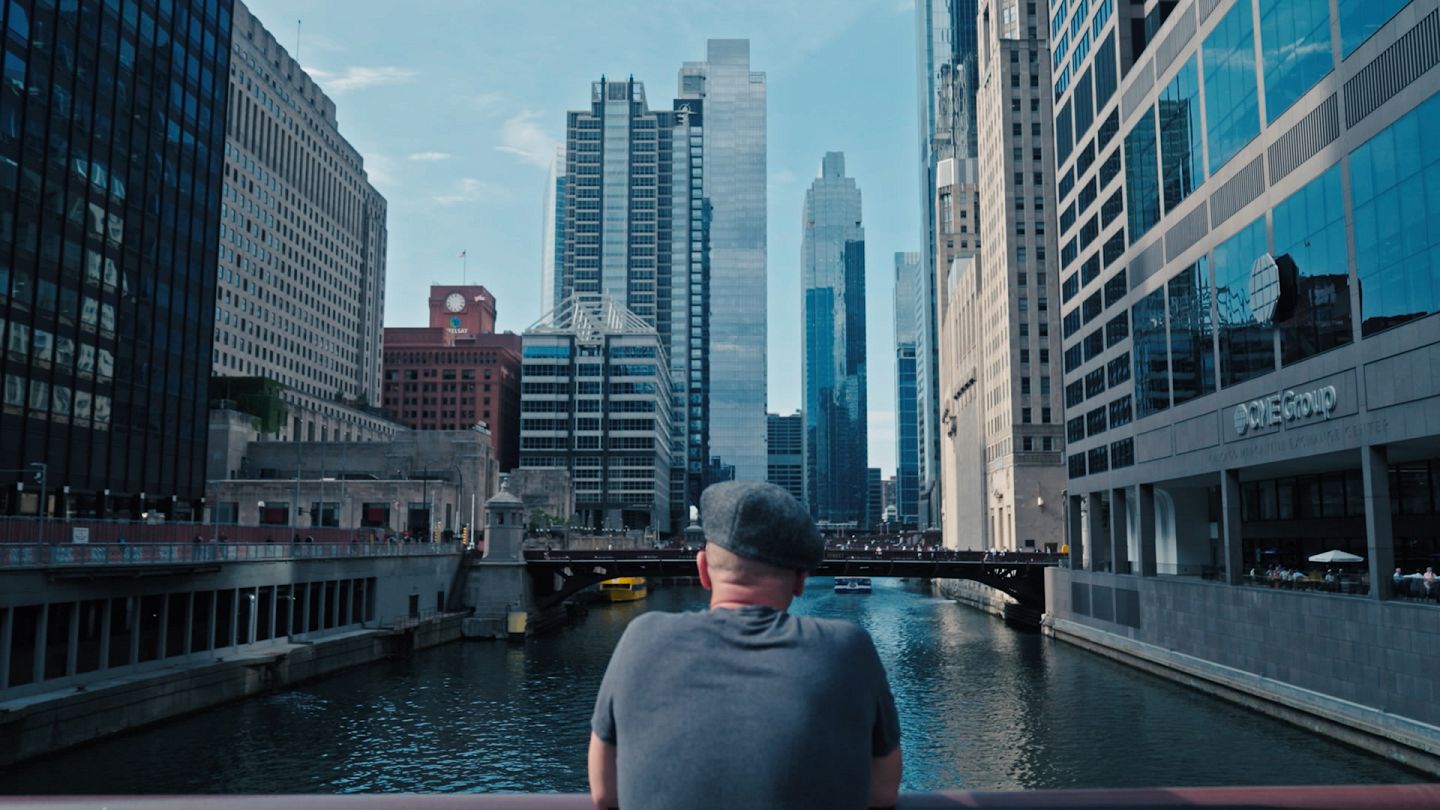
{"points": [[595, 400], [947, 76], [785, 444], [107, 267], [909, 291], [734, 99], [457, 372], [1251, 351], [1018, 348], [832, 267], [636, 225], [964, 523], [301, 293]]}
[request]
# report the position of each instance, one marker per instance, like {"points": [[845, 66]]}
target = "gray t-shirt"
{"points": [[745, 708]]}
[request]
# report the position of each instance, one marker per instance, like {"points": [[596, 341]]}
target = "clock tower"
{"points": [[462, 311]]}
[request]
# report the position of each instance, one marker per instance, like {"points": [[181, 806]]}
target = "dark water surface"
{"points": [[981, 707]]}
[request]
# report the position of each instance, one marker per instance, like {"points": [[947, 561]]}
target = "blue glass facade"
{"points": [[833, 280], [1310, 230], [1182, 164], [1295, 45], [1360, 19], [908, 283], [112, 131], [1142, 185], [1395, 188], [1246, 345], [1231, 96]]}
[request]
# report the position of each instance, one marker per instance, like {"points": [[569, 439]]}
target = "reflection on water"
{"points": [[981, 707]]}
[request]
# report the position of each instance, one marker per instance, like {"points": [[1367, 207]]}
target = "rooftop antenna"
{"points": [[297, 41]]}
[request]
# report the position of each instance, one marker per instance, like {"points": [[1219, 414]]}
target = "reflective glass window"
{"points": [[1295, 43], [1192, 355], [1310, 230], [1395, 188], [1084, 106], [1152, 364], [1182, 169], [1231, 107], [1246, 346], [1106, 75], [1361, 18], [1142, 192], [1064, 134]]}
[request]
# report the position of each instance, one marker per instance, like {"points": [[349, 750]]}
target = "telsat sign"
{"points": [[1278, 409]]}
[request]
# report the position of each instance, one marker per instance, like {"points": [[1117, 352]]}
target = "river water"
{"points": [[981, 707]]}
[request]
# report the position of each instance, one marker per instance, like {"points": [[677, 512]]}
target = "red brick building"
{"points": [[457, 371]]}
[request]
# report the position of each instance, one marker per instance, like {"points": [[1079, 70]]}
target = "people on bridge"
{"points": [[745, 704]]}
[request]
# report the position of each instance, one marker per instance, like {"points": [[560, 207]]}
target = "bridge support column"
{"points": [[1120, 530], [1145, 529], [1098, 548], [1231, 526], [1379, 530], [1073, 533]]}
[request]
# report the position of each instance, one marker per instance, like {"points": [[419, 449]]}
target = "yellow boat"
{"points": [[624, 589]]}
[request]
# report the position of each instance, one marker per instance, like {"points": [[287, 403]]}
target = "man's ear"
{"points": [[800, 582], [702, 563]]}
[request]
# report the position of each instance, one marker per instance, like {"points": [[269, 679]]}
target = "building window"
{"points": [[1310, 230], [1142, 187], [1152, 367], [1395, 247], [1231, 106], [1359, 19], [1192, 357], [1181, 167], [1295, 45], [1246, 347]]}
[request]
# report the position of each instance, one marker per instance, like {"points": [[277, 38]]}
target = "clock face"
{"points": [[455, 302]]}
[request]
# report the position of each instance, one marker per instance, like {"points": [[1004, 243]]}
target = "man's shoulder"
{"points": [[840, 633]]}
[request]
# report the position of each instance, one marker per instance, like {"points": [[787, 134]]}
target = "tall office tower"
{"points": [[1249, 283], [909, 289], [111, 135], [786, 447], [1020, 386], [832, 266], [636, 226], [734, 106], [962, 415], [552, 239], [595, 401], [874, 498], [301, 296], [947, 78]]}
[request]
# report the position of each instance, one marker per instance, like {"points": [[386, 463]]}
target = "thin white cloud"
{"points": [[483, 102], [428, 156], [521, 136], [468, 189], [358, 77]]}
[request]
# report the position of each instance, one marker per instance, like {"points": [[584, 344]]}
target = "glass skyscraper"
{"points": [[635, 229], [909, 281], [832, 270], [112, 137], [734, 99], [946, 42]]}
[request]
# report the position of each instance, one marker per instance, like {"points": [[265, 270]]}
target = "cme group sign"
{"points": [[1283, 408]]}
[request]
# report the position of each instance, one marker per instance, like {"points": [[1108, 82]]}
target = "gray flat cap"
{"points": [[761, 522]]}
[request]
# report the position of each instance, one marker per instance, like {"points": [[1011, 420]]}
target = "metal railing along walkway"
{"points": [[108, 555]]}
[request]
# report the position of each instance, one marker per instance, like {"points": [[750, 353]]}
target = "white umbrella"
{"points": [[1336, 556]]}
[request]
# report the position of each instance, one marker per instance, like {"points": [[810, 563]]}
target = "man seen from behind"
{"points": [[744, 704]]}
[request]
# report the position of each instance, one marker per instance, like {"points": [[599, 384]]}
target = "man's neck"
{"points": [[734, 597]]}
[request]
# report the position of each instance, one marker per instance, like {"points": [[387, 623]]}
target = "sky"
{"points": [[457, 106]]}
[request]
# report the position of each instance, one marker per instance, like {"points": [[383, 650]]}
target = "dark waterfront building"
{"points": [[786, 453], [112, 137], [833, 281], [457, 372]]}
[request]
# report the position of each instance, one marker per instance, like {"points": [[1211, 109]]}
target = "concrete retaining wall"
{"points": [[973, 594], [50, 722], [1364, 671]]}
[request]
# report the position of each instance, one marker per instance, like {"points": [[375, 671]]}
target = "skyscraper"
{"points": [[112, 139], [734, 106], [552, 239], [1019, 368], [947, 78], [636, 234], [786, 446], [832, 269], [301, 293], [909, 287]]}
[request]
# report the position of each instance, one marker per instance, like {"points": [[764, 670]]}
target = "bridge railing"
{"points": [[1395, 797], [23, 556]]}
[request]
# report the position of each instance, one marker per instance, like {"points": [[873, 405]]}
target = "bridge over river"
{"points": [[558, 575]]}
